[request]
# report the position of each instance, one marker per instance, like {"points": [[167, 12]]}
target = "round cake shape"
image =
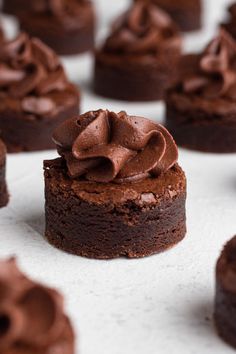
{"points": [[35, 94], [32, 319], [225, 298], [4, 197], [116, 190], [139, 60], [186, 13], [200, 107], [65, 26]]}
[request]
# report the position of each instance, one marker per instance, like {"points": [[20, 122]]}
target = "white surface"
{"points": [[161, 304]]}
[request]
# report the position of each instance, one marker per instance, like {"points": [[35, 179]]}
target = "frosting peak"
{"points": [[31, 71], [103, 146], [144, 28], [215, 74], [31, 315]]}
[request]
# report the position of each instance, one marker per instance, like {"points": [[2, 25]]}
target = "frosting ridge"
{"points": [[30, 71], [103, 146], [144, 28], [214, 74]]}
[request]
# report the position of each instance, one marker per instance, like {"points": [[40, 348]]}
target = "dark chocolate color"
{"points": [[110, 220], [139, 58], [225, 299], [67, 27], [186, 13], [32, 319], [200, 108], [4, 197]]}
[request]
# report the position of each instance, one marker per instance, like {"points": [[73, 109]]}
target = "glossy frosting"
{"points": [[143, 29], [31, 315], [32, 73], [103, 146], [214, 73]]}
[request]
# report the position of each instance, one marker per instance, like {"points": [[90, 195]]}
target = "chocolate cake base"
{"points": [[4, 197], [65, 41], [26, 132], [225, 300], [111, 220], [201, 125], [145, 80]]}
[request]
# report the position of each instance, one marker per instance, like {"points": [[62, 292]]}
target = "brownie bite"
{"points": [[32, 318], [138, 60], [68, 26], [225, 299], [3, 185], [35, 94], [116, 190], [186, 13], [201, 107]]}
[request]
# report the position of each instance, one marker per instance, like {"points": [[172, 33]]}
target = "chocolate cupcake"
{"points": [[32, 319], [66, 26], [3, 186], [186, 13], [116, 190], [201, 107], [225, 300], [35, 94], [138, 60]]}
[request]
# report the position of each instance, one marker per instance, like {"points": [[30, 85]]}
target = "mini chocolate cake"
{"points": [[3, 186], [116, 190], [186, 13], [66, 26], [138, 60], [35, 94], [201, 107], [32, 319], [225, 300]]}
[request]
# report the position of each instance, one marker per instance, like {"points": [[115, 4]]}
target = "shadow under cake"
{"points": [[100, 214], [139, 59], [35, 95], [225, 298], [200, 108]]}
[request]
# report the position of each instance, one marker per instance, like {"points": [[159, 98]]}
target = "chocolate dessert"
{"points": [[3, 186], [14, 7], [201, 107], [186, 13], [32, 319], [139, 60], [66, 26], [116, 190], [35, 94], [225, 314]]}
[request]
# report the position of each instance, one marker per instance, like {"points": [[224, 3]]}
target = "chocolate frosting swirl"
{"points": [[30, 71], [103, 146], [214, 74], [31, 315], [144, 28]]}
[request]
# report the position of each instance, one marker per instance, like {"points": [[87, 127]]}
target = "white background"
{"points": [[161, 304]]}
